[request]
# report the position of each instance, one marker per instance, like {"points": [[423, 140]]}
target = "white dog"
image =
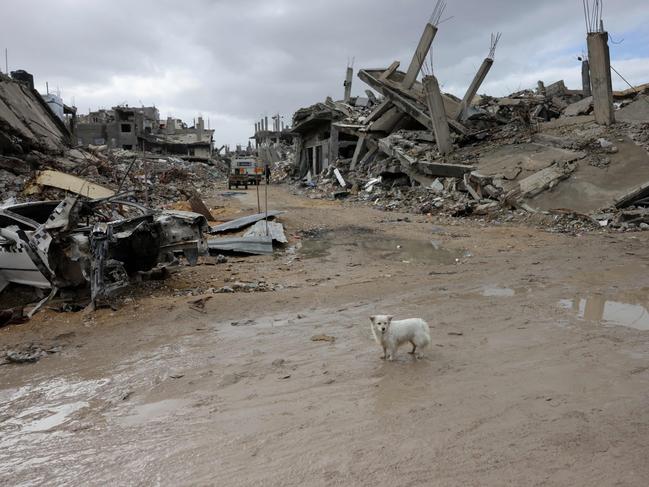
{"points": [[392, 334]]}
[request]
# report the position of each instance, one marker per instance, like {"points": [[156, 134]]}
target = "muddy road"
{"points": [[538, 373]]}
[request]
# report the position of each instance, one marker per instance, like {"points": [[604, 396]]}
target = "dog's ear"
{"points": [[373, 319], [389, 317]]}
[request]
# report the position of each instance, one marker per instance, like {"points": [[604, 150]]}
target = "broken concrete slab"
{"points": [[27, 121], [583, 107], [593, 188], [243, 222], [636, 111], [544, 179], [518, 161], [632, 196], [73, 184], [426, 168]]}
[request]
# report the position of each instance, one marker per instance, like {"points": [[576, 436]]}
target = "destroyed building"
{"points": [[122, 127], [70, 220], [320, 141], [140, 128], [271, 144], [192, 142], [549, 150], [27, 122]]}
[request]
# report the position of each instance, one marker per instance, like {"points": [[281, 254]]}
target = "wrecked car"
{"points": [[94, 245]]}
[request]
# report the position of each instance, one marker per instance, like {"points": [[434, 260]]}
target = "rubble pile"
{"points": [[536, 151], [83, 224], [161, 179]]}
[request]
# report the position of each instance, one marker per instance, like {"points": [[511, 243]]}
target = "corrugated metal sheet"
{"points": [[246, 221]]}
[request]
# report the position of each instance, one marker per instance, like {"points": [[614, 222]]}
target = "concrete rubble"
{"points": [[500, 159], [82, 223]]}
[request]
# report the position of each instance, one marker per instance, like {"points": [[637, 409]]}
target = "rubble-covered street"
{"points": [[536, 374]]}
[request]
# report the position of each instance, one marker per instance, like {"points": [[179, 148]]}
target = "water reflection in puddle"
{"points": [[610, 312], [58, 416], [381, 247], [498, 292], [145, 413]]}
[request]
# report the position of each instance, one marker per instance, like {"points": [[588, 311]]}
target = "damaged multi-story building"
{"points": [[271, 143], [140, 128]]}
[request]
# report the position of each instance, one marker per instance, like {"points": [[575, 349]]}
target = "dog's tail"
{"points": [[427, 333]]}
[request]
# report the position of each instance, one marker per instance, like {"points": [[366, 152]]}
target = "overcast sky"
{"points": [[233, 61]]}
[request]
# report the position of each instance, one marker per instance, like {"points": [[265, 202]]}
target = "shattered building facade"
{"points": [[271, 144], [140, 128]]}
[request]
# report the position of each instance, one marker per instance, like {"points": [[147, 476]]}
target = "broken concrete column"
{"points": [[200, 129], [438, 114], [361, 147], [348, 84], [473, 88], [600, 76], [334, 144], [420, 56], [585, 78]]}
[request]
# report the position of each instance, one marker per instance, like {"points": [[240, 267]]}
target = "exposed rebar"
{"points": [[593, 15], [495, 39], [438, 11]]}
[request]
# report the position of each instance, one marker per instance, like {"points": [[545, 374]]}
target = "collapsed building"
{"points": [[140, 128], [272, 144], [547, 150], [71, 221]]}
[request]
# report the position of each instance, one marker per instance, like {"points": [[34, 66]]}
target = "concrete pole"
{"points": [[348, 84], [438, 115], [474, 87], [585, 78], [600, 77], [420, 56]]}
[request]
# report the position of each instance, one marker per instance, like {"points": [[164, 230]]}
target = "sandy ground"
{"points": [[537, 375]]}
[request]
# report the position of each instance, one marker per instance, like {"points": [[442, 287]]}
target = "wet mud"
{"points": [[530, 379]]}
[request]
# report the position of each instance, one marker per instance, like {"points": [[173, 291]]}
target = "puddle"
{"points": [[154, 411], [380, 247], [60, 415], [498, 292], [610, 311], [232, 194]]}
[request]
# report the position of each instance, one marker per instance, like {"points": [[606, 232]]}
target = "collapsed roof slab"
{"points": [[411, 102], [25, 116], [593, 188]]}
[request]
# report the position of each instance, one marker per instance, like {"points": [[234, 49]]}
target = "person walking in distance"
{"points": [[267, 172]]}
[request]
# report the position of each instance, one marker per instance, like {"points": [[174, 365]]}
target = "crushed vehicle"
{"points": [[92, 245]]}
